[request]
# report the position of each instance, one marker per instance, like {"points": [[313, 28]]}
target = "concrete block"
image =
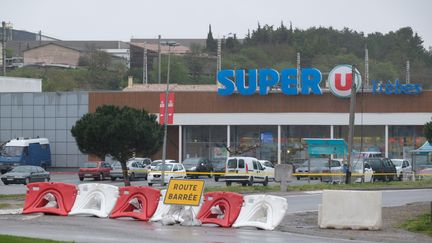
{"points": [[350, 210]]}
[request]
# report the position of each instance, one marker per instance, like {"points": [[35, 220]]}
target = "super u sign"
{"points": [[340, 80]]}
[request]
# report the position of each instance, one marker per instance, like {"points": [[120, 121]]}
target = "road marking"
{"points": [[11, 211], [313, 192], [30, 217]]}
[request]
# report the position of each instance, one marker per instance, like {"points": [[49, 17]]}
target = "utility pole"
{"points": [[4, 47], [219, 57], [145, 81], [407, 78], [170, 44], [159, 59], [367, 67], [298, 72], [351, 124]]}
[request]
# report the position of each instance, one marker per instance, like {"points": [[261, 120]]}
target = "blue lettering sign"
{"points": [[267, 78], [289, 81], [396, 88], [311, 77]]}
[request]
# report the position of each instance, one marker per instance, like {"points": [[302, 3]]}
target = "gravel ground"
{"points": [[306, 223]]}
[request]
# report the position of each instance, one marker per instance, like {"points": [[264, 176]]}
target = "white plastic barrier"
{"points": [[262, 211], [350, 210], [175, 213], [95, 200]]}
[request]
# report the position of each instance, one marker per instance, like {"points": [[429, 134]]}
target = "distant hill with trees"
{"points": [[264, 47]]}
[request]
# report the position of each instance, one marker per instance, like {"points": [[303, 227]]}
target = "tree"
{"points": [[428, 131], [119, 132], [211, 43]]}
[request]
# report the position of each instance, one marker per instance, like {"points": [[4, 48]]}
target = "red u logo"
{"points": [[338, 81]]}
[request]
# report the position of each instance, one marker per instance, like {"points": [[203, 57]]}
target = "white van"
{"points": [[245, 170]]}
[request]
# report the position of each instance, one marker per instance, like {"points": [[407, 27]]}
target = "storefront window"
{"points": [[291, 141], [204, 141], [366, 138], [255, 141], [403, 139]]}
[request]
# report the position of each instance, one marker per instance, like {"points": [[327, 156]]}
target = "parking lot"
{"points": [[72, 178]]}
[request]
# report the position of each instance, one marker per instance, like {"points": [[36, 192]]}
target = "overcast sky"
{"points": [[122, 20]]}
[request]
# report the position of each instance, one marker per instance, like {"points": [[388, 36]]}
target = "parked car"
{"points": [[136, 170], [25, 174], [383, 168], [194, 166], [219, 168], [333, 166], [402, 166], [269, 169], [153, 164], [316, 167], [359, 174], [98, 170], [144, 161], [172, 170], [245, 170]]}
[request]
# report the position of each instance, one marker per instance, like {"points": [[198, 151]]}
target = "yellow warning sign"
{"points": [[184, 192]]}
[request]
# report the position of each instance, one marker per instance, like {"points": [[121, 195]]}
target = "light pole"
{"points": [[169, 44]]}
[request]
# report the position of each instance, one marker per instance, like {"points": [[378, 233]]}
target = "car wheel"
{"points": [[228, 183], [27, 181], [251, 181], [81, 178], [4, 182], [132, 177], [150, 184], [216, 178], [265, 183], [298, 177], [244, 183], [113, 178], [401, 176]]}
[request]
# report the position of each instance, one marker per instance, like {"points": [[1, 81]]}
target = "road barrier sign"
{"points": [[184, 192]]}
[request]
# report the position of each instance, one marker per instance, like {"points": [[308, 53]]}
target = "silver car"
{"points": [[26, 174]]}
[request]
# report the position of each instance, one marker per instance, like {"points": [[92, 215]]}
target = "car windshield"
{"points": [[21, 169], [168, 167], [316, 163], [397, 162], [155, 163], [116, 165], [90, 165], [12, 151], [191, 161]]}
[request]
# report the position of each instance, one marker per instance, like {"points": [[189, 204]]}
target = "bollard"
{"points": [[283, 174]]}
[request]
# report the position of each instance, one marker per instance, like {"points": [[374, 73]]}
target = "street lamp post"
{"points": [[170, 44]]}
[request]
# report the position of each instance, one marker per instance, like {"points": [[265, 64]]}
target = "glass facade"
{"points": [[50, 115], [403, 139], [204, 141], [255, 141], [291, 140], [366, 138]]}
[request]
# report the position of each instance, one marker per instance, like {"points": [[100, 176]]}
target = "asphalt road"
{"points": [[91, 229]]}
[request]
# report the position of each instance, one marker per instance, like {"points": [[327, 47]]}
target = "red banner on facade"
{"points": [[170, 108]]}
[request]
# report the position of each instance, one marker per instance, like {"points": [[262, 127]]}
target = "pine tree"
{"points": [[211, 44]]}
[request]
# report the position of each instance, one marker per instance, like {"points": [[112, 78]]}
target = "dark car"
{"points": [[196, 166], [383, 168], [25, 174], [219, 168], [98, 170]]}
